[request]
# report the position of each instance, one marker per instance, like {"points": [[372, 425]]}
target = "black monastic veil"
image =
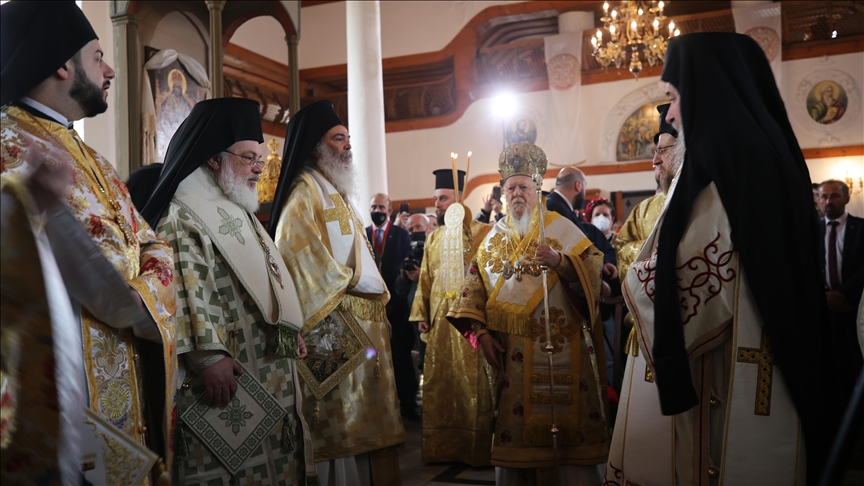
{"points": [[211, 127], [738, 136]]}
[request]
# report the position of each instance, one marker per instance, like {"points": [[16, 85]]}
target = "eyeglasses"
{"points": [[250, 161], [523, 189], [662, 150]]}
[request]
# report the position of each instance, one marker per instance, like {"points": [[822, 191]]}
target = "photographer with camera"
{"points": [[406, 283]]}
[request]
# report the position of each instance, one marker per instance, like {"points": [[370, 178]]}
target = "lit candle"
{"points": [[612, 30], [455, 176], [614, 14], [677, 32], [661, 6], [468, 167], [671, 27], [605, 7], [640, 11]]}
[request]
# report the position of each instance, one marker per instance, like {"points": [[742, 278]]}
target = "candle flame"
{"points": [[469, 153]]}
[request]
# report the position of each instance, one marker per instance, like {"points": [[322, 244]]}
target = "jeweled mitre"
{"points": [[523, 158]]}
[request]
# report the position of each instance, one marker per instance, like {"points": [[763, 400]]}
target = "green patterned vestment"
{"points": [[211, 303]]}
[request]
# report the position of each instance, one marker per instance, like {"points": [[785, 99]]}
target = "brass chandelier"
{"points": [[633, 30]]}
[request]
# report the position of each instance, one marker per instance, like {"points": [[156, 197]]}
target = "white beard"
{"points": [[339, 170], [235, 187], [521, 224]]}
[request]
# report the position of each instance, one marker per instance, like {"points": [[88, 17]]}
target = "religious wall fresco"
{"points": [[827, 102], [636, 137], [521, 129], [175, 92]]}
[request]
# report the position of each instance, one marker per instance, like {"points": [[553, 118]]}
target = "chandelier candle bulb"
{"points": [[605, 7]]}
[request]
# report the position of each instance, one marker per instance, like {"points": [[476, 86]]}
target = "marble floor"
{"points": [[415, 473]]}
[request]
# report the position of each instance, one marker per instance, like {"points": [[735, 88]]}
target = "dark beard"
{"points": [[440, 218], [88, 94], [578, 201]]}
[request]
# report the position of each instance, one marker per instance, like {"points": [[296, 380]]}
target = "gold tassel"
{"points": [[366, 309], [286, 343], [502, 321], [164, 478], [287, 436], [632, 346]]}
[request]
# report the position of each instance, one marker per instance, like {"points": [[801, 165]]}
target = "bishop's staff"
{"points": [[538, 183]]}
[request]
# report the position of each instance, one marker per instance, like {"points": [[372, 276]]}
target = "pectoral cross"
{"points": [[339, 213], [762, 357]]}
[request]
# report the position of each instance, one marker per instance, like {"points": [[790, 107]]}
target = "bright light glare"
{"points": [[504, 105]]}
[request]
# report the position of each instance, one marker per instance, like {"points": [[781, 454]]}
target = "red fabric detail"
{"points": [[163, 272], [710, 278]]}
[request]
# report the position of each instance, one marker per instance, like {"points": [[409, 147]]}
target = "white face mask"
{"points": [[602, 222]]}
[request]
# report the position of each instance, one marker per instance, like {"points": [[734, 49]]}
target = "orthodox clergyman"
{"points": [[457, 402], [238, 317], [730, 384], [53, 74], [349, 392], [501, 310]]}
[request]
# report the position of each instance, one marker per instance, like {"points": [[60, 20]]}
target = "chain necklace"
{"points": [[124, 225]]}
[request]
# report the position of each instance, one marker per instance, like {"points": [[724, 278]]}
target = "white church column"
{"points": [[126, 88], [366, 100]]}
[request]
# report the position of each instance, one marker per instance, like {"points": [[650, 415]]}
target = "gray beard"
{"points": [[235, 188], [342, 176]]}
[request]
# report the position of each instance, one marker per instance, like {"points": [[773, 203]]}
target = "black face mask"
{"points": [[379, 218]]}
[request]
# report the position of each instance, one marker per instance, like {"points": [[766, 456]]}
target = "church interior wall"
{"points": [[163, 28], [98, 131], [264, 35], [415, 27], [406, 28]]}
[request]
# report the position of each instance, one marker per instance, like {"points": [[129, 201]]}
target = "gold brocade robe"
{"points": [[457, 400], [31, 428], [325, 250], [635, 231], [100, 201], [503, 292]]}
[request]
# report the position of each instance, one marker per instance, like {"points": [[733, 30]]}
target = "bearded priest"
{"points": [[51, 74], [238, 317], [457, 403], [349, 389], [501, 311]]}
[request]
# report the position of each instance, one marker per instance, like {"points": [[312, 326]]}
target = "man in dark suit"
{"points": [[569, 194], [392, 245], [842, 257]]}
